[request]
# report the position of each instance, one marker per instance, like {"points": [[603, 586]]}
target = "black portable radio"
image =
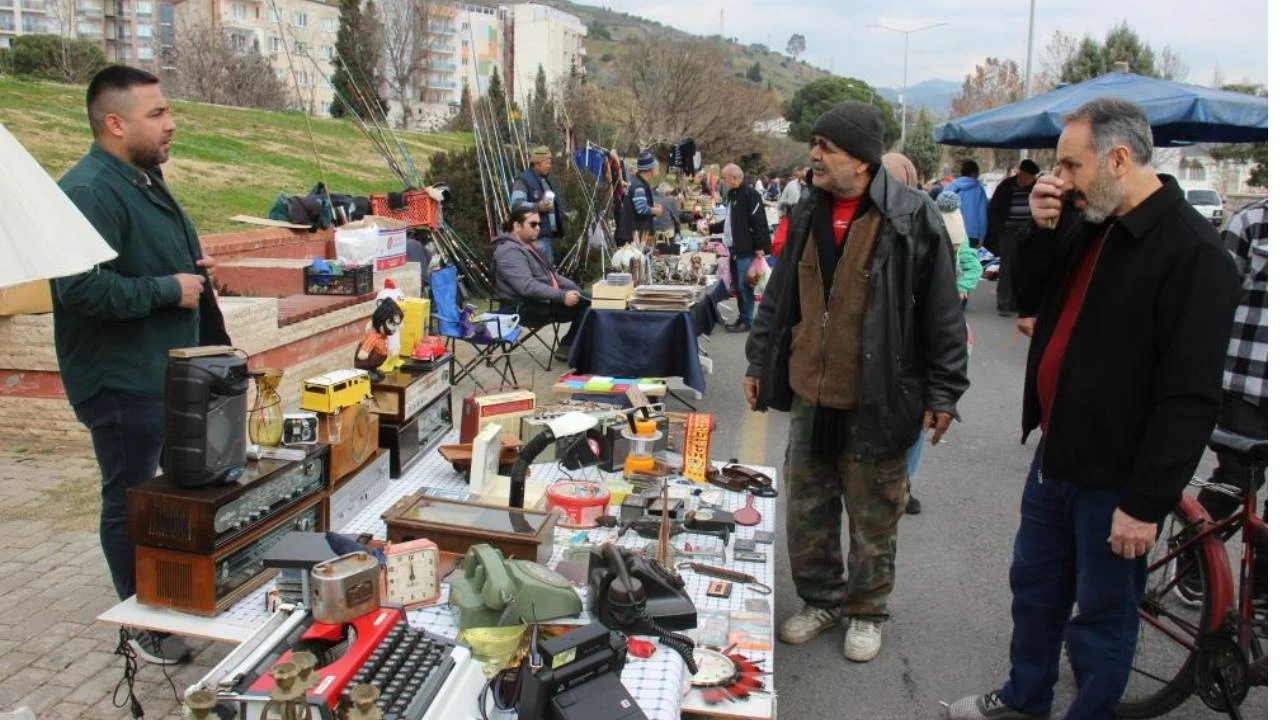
{"points": [[205, 415]]}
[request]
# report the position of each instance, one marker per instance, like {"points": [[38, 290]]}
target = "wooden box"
{"points": [[401, 395], [352, 435], [455, 526], [207, 584]]}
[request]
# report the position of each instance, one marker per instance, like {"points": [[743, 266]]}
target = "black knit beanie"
{"points": [[855, 127]]}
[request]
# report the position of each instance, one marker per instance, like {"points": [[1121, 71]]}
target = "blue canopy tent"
{"points": [[1180, 114]]}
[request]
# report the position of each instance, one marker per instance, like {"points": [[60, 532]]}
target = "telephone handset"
{"points": [[633, 593], [485, 569]]}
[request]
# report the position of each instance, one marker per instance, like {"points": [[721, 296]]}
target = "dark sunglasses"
{"points": [[534, 224]]}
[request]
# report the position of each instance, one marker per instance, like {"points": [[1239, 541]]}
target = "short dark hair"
{"points": [[519, 212], [969, 168], [114, 78], [1114, 122], [1029, 167]]}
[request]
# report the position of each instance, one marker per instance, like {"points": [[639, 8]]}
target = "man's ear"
{"points": [[113, 124]]}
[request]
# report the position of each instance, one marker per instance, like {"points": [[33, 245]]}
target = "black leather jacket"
{"points": [[913, 334]]}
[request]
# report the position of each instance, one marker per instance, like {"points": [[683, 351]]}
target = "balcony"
{"points": [[432, 65], [89, 11], [34, 5], [6, 4], [442, 48], [442, 85], [437, 29]]}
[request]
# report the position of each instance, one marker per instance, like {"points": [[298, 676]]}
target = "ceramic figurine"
{"points": [[373, 350], [394, 360]]}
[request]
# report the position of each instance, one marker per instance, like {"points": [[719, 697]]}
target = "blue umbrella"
{"points": [[1179, 113]]}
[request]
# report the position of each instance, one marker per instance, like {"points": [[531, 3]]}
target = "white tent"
{"points": [[42, 233]]}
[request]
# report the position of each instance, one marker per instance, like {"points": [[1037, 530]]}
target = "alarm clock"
{"points": [[412, 577]]}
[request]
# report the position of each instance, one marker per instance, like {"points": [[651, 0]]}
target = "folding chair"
{"points": [[492, 350], [531, 332]]}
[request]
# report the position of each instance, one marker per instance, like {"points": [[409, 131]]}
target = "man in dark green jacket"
{"points": [[114, 325]]}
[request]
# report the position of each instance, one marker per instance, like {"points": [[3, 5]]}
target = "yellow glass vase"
{"points": [[266, 419]]}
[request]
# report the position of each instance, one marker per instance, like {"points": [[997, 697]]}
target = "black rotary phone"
{"points": [[636, 594]]}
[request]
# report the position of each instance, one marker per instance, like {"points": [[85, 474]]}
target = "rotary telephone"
{"points": [[494, 592], [636, 594]]}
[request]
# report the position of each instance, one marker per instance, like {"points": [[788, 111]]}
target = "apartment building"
{"points": [[304, 31], [124, 29], [547, 37]]}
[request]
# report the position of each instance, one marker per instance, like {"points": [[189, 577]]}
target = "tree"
{"points": [[597, 31], [211, 67], [405, 41], [50, 57], [924, 153], [359, 61], [651, 103], [795, 46], [1219, 77], [462, 121], [817, 97], [1171, 66], [1122, 44], [753, 73], [992, 84], [1245, 153], [542, 113], [1060, 49]]}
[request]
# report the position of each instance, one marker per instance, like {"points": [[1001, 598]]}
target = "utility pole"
{"points": [[721, 22], [1026, 82], [906, 45]]}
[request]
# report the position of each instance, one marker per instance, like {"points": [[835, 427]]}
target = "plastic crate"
{"points": [[353, 281]]}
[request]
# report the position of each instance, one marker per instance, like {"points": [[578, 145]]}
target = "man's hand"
{"points": [[192, 286], [760, 253], [964, 296], [1046, 200], [1027, 326], [546, 206], [1130, 537], [939, 421], [657, 210], [571, 298], [751, 388]]}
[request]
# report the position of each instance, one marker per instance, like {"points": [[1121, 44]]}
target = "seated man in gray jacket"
{"points": [[528, 285]]}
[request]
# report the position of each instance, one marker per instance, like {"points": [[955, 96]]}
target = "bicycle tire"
{"points": [[1183, 684]]}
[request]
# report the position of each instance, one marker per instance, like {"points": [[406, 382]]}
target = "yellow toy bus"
{"points": [[333, 391]]}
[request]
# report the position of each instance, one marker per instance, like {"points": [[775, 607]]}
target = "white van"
{"points": [[1207, 202]]}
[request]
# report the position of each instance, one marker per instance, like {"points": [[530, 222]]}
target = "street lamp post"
{"points": [[906, 45]]}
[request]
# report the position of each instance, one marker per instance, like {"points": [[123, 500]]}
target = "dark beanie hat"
{"points": [[1029, 167], [855, 127]]}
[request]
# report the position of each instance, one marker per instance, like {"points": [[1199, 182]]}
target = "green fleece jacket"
{"points": [[968, 269], [114, 325]]}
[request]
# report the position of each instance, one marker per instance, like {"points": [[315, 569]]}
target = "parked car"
{"points": [[1207, 202]]}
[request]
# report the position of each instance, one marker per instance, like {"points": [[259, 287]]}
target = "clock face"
{"points": [[714, 668], [413, 577]]}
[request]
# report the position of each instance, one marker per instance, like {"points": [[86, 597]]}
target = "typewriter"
{"points": [[421, 676]]}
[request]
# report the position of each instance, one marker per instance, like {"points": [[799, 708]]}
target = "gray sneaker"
{"points": [[987, 707], [807, 624], [159, 648]]}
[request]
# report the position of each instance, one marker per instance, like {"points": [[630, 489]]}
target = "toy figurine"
{"points": [[393, 361], [373, 350]]}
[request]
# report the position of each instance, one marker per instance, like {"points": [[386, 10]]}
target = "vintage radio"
{"points": [[207, 584], [360, 488], [411, 440], [532, 425], [505, 408], [352, 435], [401, 395], [204, 519], [455, 526]]}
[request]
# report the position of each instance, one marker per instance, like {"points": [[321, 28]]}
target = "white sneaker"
{"points": [[807, 624], [862, 640]]}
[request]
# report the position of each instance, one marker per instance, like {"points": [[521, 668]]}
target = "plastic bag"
{"points": [[756, 270]]}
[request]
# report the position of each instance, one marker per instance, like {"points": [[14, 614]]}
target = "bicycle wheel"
{"points": [[1163, 674]]}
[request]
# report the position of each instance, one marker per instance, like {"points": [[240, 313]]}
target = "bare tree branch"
{"points": [[404, 33], [209, 67]]}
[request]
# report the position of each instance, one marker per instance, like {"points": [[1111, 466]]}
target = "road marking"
{"points": [[751, 447]]}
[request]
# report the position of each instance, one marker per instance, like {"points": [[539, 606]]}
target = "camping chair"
{"points": [[492, 350], [532, 332]]}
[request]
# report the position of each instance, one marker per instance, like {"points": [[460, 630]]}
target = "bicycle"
{"points": [[1214, 650]]}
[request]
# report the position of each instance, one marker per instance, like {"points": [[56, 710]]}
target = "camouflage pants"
{"points": [[874, 495]]}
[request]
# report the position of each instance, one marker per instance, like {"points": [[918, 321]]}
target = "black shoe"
{"points": [[913, 505], [561, 353], [738, 327], [159, 648]]}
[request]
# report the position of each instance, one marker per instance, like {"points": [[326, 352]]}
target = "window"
{"points": [[144, 30], [300, 49], [238, 11], [330, 52], [299, 19], [329, 25], [302, 77], [6, 20], [239, 42], [143, 7], [1203, 197], [145, 52], [276, 45]]}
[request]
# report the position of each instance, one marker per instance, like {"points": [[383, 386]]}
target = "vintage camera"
{"points": [[554, 678]]}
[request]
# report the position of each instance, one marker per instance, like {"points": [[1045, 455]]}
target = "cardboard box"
{"points": [[384, 238], [604, 291], [26, 299]]}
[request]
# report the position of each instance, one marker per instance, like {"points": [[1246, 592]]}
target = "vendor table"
{"points": [[657, 683]]}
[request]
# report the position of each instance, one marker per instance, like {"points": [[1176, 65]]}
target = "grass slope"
{"points": [[777, 70], [225, 161]]}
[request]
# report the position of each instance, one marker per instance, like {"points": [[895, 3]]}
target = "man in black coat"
{"points": [[746, 234], [1008, 215], [1133, 296]]}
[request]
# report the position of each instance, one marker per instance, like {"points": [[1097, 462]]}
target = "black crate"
{"points": [[352, 281]]}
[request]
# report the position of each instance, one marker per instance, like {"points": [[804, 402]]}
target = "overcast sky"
{"points": [[1232, 33]]}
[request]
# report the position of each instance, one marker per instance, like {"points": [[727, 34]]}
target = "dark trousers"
{"points": [[1243, 418], [1061, 558], [746, 295], [128, 435], [1005, 300], [538, 314]]}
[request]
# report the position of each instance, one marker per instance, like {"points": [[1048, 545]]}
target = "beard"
{"points": [[1103, 198], [150, 156]]}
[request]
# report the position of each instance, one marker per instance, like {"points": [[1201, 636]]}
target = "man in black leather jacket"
{"points": [[860, 337]]}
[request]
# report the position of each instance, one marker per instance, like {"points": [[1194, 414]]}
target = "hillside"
{"points": [[933, 95], [225, 161], [776, 70]]}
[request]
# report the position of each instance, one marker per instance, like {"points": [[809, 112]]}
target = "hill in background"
{"points": [[933, 95], [225, 160], [610, 31]]}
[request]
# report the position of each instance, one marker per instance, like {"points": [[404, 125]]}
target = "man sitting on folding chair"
{"points": [[527, 284]]}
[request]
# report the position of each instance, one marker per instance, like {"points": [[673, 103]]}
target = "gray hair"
{"points": [[1115, 122]]}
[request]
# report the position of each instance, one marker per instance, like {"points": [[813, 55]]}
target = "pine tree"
{"points": [[542, 114], [462, 121], [356, 75]]}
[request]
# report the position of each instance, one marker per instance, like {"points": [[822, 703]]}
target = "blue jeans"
{"points": [[1061, 557], [545, 247], [128, 435], [746, 295]]}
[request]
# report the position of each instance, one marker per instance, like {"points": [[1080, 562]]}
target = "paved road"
{"points": [[950, 628]]}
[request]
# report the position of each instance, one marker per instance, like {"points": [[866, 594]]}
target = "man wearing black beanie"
{"points": [[860, 337]]}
